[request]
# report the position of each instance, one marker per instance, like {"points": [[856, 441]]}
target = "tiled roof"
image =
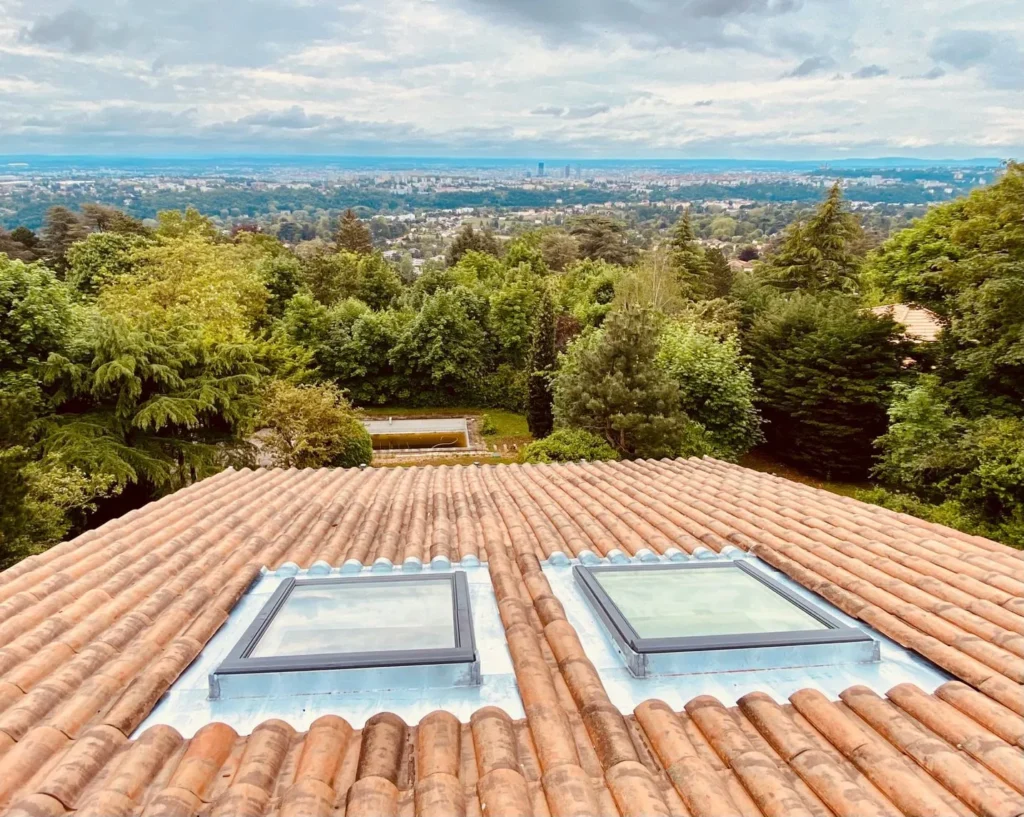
{"points": [[93, 632], [921, 323]]}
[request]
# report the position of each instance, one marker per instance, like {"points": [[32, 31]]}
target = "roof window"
{"points": [[714, 617], [410, 631]]}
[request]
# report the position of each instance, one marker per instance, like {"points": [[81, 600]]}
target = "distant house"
{"points": [[922, 324]]}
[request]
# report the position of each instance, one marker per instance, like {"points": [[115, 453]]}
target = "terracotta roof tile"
{"points": [[94, 631]]}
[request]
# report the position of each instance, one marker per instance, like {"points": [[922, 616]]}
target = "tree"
{"points": [[512, 314], [61, 229], [539, 412], [824, 368], [469, 239], [601, 238], [748, 253], [559, 249], [965, 260], [100, 259], [311, 426], [568, 445], [353, 236], [716, 387], [718, 275], [609, 384], [143, 401], [191, 223], [442, 347], [652, 284], [821, 254], [111, 220], [688, 258], [21, 244]]}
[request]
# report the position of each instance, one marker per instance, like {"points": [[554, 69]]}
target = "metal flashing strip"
{"points": [[300, 698]]}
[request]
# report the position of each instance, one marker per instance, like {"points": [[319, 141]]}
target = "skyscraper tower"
{"points": [[568, 171], [540, 169]]}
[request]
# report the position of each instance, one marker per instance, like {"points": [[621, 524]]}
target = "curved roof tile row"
{"points": [[95, 630]]}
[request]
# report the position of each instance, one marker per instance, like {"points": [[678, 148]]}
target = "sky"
{"points": [[781, 79]]}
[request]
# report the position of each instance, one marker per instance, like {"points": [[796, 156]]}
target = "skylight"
{"points": [[314, 628], [684, 618]]}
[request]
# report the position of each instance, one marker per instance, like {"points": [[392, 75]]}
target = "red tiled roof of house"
{"points": [[94, 631], [922, 324]]}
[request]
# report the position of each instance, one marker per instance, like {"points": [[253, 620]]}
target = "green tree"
{"points": [[443, 347], [965, 260], [142, 401], [311, 427], [469, 239], [539, 411], [824, 368], [653, 283], [353, 236], [111, 220], [559, 249], [716, 387], [718, 275], [610, 384], [688, 258], [821, 254], [191, 223], [101, 259], [568, 445], [61, 229], [601, 238]]}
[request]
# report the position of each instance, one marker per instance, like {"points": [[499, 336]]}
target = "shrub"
{"points": [[312, 427], [716, 388], [568, 445]]}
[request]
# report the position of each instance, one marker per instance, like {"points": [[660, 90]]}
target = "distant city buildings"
{"points": [[540, 170]]}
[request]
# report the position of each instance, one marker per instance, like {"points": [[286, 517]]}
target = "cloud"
{"points": [[75, 29], [962, 49], [810, 66], [581, 112], [997, 57], [870, 72], [542, 78]]}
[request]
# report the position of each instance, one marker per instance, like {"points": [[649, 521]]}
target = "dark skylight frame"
{"points": [[239, 660], [619, 626]]}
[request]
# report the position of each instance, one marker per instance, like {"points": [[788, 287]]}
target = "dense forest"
{"points": [[135, 359]]}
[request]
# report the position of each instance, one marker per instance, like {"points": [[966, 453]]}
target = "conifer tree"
{"points": [[611, 385], [539, 415], [820, 254], [688, 257], [353, 235]]}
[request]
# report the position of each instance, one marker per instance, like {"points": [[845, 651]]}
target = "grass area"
{"points": [[510, 430], [762, 461]]}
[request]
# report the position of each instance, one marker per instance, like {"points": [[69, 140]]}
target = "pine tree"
{"points": [[539, 415], [688, 258], [719, 275], [611, 385], [820, 254], [353, 235], [469, 239]]}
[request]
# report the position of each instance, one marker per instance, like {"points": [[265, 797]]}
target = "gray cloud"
{"points": [[581, 112], [998, 57], [962, 49], [810, 66], [870, 72], [77, 30], [703, 103]]}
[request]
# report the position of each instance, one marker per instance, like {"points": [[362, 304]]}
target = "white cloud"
{"points": [[491, 77]]}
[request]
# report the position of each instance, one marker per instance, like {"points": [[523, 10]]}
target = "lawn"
{"points": [[762, 461]]}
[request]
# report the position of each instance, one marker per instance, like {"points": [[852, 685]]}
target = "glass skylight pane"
{"points": [[361, 617], [705, 602]]}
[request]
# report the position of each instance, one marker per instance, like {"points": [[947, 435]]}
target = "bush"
{"points": [[568, 445], [716, 388], [311, 427]]}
